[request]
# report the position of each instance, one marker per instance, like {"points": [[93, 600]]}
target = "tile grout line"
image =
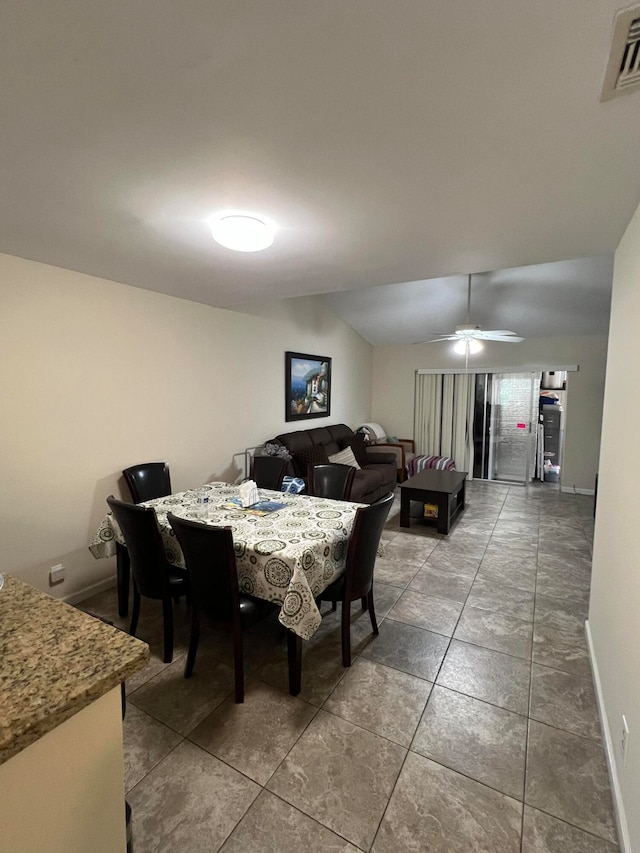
{"points": [[451, 637], [357, 656], [526, 737], [420, 719], [429, 699], [464, 603]]}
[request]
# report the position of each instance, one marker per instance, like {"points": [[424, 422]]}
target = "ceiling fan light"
{"points": [[241, 232], [467, 345]]}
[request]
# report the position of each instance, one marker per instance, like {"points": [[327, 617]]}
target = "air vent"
{"points": [[623, 69]]}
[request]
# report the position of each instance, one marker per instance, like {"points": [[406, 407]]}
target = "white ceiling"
{"points": [[390, 140], [541, 301]]}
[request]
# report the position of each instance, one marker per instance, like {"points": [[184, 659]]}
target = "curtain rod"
{"points": [[523, 368]]}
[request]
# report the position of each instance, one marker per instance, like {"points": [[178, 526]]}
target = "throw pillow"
{"points": [[316, 455], [272, 449], [358, 444], [345, 457], [293, 485]]}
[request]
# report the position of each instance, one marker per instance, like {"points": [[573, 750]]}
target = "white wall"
{"points": [[614, 614], [97, 376], [394, 376]]}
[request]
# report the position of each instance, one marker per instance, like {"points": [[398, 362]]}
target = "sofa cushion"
{"points": [[375, 458], [345, 457], [366, 484], [319, 435], [322, 436], [295, 441], [339, 432], [357, 444], [309, 456]]}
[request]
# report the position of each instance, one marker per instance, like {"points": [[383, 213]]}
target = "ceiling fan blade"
{"points": [[508, 339], [435, 340], [501, 332]]}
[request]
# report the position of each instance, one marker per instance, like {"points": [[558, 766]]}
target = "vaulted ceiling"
{"points": [[389, 141], [564, 298]]}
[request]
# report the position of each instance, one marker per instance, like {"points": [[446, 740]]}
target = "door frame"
{"points": [[522, 368]]}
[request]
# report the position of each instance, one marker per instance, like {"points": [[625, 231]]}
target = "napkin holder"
{"points": [[248, 493]]}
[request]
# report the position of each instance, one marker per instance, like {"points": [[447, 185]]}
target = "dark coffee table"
{"points": [[445, 489]]}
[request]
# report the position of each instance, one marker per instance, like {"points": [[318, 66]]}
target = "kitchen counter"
{"points": [[61, 753], [55, 660]]}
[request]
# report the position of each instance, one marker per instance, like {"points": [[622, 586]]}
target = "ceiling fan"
{"points": [[469, 337]]}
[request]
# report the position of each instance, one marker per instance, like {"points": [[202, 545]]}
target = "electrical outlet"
{"points": [[56, 574], [624, 743]]}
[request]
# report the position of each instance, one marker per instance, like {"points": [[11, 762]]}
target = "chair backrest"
{"points": [[147, 481], [363, 546], [268, 472], [211, 564], [331, 480], [139, 526]]}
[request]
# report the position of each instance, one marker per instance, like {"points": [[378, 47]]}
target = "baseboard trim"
{"points": [[574, 490], [87, 591], [618, 804]]}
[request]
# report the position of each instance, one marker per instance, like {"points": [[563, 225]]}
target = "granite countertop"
{"points": [[54, 661]]}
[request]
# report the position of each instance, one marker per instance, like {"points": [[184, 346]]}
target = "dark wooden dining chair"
{"points": [[211, 564], [357, 580], [153, 576], [147, 481], [331, 480], [268, 472]]}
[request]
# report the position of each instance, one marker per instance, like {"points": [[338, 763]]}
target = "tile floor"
{"points": [[468, 724]]}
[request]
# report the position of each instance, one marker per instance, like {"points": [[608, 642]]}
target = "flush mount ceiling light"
{"points": [[241, 232]]}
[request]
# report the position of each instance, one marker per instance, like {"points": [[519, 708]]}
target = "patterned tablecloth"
{"points": [[287, 557]]}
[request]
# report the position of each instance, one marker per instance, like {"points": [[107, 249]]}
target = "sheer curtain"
{"points": [[428, 413], [444, 411]]}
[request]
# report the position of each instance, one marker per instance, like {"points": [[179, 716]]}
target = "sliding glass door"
{"points": [[504, 426], [512, 438], [485, 421]]}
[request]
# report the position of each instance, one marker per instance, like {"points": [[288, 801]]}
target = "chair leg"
{"points": [[123, 569], [346, 633], [167, 618], [177, 597], [364, 602], [334, 606], [372, 611], [135, 612], [238, 664], [193, 643], [294, 654]]}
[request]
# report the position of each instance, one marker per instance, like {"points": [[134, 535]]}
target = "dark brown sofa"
{"points": [[375, 478]]}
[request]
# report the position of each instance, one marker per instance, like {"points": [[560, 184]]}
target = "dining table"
{"points": [[286, 556]]}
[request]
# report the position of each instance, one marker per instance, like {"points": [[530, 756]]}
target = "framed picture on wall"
{"points": [[307, 386]]}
